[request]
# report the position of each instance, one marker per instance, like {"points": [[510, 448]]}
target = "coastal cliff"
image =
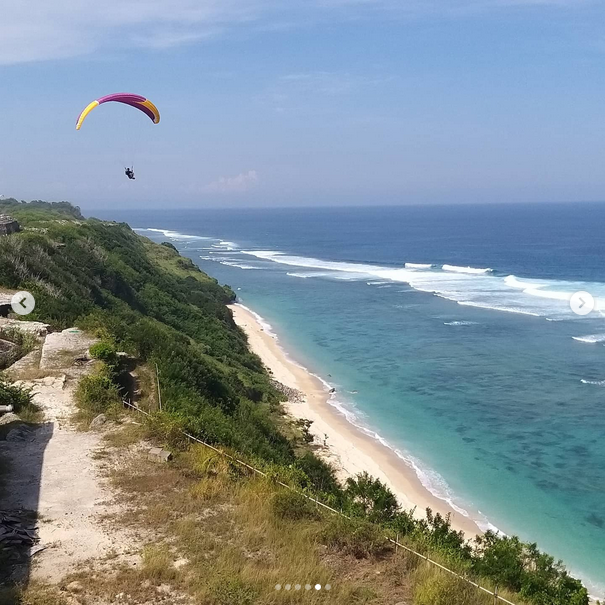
{"points": [[172, 322]]}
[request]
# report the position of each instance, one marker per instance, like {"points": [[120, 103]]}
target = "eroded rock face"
{"points": [[8, 225], [7, 352]]}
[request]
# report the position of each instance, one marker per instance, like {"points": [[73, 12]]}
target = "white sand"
{"points": [[349, 450]]}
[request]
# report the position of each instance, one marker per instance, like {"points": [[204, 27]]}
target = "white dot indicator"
{"points": [[288, 586], [328, 586], [317, 586], [278, 587], [307, 586], [297, 587]]}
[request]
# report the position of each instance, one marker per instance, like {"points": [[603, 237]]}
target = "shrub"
{"points": [[10, 394], [371, 498], [168, 428], [290, 505], [96, 393], [320, 475], [106, 352], [357, 537]]}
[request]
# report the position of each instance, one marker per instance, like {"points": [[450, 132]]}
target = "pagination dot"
{"points": [[317, 586]]}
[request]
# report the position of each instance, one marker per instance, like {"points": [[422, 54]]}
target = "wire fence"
{"points": [[396, 543]]}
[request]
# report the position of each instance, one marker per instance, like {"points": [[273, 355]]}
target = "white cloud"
{"points": [[50, 29], [234, 184], [43, 29]]}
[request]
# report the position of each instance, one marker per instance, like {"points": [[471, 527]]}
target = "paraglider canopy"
{"points": [[137, 101]]}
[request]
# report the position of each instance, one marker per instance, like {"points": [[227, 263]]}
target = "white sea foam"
{"points": [[238, 265], [590, 338], [173, 234], [469, 286], [418, 266], [468, 303], [267, 327], [599, 383], [305, 275], [469, 270], [460, 323], [223, 245]]}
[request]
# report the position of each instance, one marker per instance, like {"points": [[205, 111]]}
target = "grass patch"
{"points": [[435, 587], [35, 594]]}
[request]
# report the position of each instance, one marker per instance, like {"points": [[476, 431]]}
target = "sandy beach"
{"points": [[344, 446]]}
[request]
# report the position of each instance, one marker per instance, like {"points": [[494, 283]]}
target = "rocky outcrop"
{"points": [[8, 225], [8, 353]]}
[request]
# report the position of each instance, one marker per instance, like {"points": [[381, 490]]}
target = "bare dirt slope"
{"points": [[54, 470]]}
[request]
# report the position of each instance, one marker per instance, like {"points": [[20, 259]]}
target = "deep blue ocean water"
{"points": [[468, 360]]}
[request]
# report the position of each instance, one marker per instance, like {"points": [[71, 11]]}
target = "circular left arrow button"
{"points": [[23, 303]]}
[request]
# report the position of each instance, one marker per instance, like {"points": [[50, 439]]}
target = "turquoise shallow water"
{"points": [[481, 378]]}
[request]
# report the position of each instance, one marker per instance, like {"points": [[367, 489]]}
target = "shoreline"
{"points": [[345, 446]]}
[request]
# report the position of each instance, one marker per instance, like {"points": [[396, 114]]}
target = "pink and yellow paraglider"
{"points": [[141, 103]]}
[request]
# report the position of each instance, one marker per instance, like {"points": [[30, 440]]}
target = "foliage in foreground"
{"points": [[11, 394]]}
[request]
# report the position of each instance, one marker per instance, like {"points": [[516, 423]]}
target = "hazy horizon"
{"points": [[328, 102]]}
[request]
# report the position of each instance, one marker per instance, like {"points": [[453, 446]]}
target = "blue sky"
{"points": [[304, 102]]}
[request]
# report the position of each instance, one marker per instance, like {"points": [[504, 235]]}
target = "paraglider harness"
{"points": [[129, 172]]}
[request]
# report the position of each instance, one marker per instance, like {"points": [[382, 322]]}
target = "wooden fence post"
{"points": [[157, 375]]}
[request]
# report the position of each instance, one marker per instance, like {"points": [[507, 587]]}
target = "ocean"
{"points": [[447, 332]]}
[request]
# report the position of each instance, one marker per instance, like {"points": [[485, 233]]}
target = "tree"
{"points": [[371, 498]]}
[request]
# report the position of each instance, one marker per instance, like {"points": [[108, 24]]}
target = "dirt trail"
{"points": [[55, 469]]}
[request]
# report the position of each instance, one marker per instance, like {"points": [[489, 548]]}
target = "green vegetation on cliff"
{"points": [[147, 300]]}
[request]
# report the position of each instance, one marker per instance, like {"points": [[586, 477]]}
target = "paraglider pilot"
{"points": [[129, 172]]}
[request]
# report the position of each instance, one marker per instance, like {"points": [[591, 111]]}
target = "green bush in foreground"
{"points": [[106, 352], [356, 537], [290, 505], [10, 394], [97, 393]]}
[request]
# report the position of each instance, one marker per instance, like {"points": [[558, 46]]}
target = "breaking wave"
{"points": [[469, 270], [238, 265], [460, 323], [590, 338], [175, 235], [469, 286], [418, 266], [599, 383]]}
